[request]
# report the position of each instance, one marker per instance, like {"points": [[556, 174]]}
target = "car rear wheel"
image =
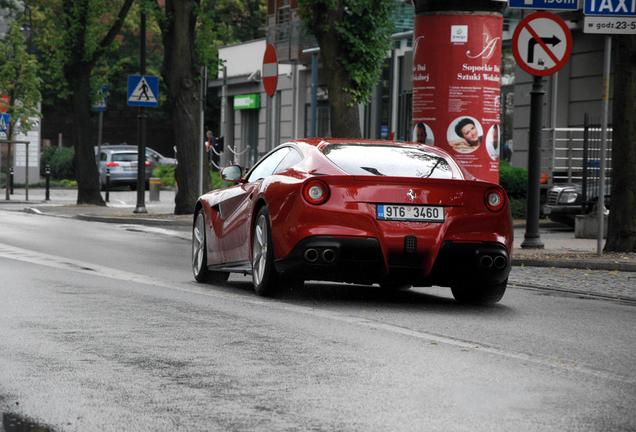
{"points": [[200, 255], [480, 294], [264, 276]]}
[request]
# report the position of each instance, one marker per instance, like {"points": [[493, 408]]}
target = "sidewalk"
{"points": [[560, 250]]}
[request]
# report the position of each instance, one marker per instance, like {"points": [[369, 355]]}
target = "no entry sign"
{"points": [[542, 43], [270, 70]]}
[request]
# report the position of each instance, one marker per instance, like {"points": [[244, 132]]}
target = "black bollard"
{"points": [[11, 179], [107, 182], [47, 174]]}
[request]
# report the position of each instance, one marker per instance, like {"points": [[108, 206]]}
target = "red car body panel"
{"points": [[350, 212]]}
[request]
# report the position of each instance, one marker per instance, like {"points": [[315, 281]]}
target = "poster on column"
{"points": [[456, 81]]}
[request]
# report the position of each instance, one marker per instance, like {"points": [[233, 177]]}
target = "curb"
{"points": [[576, 264], [136, 221]]}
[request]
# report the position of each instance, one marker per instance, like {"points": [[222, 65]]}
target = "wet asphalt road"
{"points": [[102, 328]]}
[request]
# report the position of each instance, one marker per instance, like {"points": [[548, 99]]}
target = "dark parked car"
{"points": [[566, 201]]}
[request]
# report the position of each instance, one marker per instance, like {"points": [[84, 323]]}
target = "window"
{"points": [[387, 160], [124, 157], [292, 158], [267, 166]]}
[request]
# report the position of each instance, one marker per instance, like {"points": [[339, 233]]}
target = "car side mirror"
{"points": [[232, 173]]}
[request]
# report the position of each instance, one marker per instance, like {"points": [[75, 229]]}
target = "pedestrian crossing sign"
{"points": [[143, 90], [102, 99]]}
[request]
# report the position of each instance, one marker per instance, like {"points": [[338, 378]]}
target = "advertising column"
{"points": [[456, 81]]}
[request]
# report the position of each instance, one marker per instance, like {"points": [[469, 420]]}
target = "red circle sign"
{"points": [[270, 70], [4, 102], [542, 43]]}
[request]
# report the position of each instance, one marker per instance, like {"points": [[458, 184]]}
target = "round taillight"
{"points": [[494, 199], [316, 192]]}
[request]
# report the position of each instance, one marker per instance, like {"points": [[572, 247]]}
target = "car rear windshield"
{"points": [[388, 160], [124, 157]]}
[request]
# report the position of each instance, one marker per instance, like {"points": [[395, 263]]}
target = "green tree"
{"points": [[239, 20], [621, 236], [189, 40], [19, 82], [354, 36], [74, 35]]}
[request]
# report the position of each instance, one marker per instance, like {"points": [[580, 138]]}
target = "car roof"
{"points": [[115, 147], [123, 152]]}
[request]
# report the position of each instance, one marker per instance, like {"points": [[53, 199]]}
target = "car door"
{"points": [[236, 207]]}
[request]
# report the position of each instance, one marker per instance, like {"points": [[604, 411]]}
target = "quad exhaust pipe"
{"points": [[329, 255], [499, 262], [486, 261], [312, 255]]}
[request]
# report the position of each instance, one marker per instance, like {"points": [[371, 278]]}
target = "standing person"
{"points": [[213, 151]]}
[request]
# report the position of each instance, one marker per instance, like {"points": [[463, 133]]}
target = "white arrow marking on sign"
{"points": [[142, 93]]}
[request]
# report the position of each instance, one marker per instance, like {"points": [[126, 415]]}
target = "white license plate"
{"points": [[414, 213], [130, 168], [547, 210]]}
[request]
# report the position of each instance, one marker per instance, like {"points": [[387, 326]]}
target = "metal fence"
{"points": [[564, 150]]}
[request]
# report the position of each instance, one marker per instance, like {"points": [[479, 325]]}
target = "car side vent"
{"points": [[410, 244]]}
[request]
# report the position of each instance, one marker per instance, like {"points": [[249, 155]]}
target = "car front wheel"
{"points": [[200, 255], [483, 294]]}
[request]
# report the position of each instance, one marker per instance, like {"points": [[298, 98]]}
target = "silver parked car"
{"points": [[122, 165], [154, 157]]}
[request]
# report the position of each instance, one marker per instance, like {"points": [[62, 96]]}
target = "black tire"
{"points": [[200, 255], [480, 294], [264, 276]]}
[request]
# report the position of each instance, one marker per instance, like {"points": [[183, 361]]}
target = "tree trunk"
{"points": [[86, 172], [621, 235], [344, 113], [77, 74], [181, 78]]}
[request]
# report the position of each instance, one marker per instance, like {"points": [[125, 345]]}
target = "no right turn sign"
{"points": [[542, 43]]}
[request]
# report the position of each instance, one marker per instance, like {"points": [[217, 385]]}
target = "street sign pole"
{"points": [[532, 238], [99, 137], [141, 125], [604, 114]]}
